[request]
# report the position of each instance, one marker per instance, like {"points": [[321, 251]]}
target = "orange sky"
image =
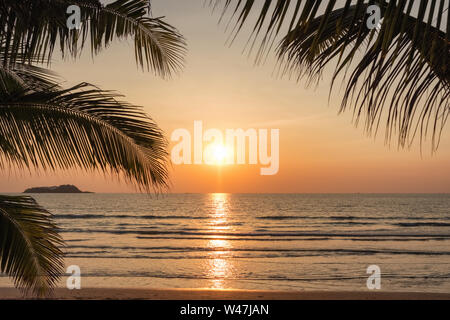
{"points": [[319, 150]]}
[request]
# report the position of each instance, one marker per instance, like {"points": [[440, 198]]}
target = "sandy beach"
{"points": [[212, 294]]}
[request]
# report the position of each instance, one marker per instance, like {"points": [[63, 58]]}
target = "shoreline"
{"points": [[219, 294]]}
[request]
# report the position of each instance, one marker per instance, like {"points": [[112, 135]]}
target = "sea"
{"points": [[293, 242]]}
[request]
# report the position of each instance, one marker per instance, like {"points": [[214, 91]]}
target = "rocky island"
{"points": [[66, 188]]}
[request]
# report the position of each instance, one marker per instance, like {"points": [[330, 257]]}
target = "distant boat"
{"points": [[66, 188]]}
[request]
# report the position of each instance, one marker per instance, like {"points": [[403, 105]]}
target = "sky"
{"points": [[320, 151]]}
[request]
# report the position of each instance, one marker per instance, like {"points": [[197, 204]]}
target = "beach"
{"points": [[272, 242], [215, 294]]}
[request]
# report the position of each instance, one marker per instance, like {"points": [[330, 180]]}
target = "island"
{"points": [[66, 188]]}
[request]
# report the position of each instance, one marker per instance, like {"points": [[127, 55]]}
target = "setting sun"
{"points": [[216, 154]]}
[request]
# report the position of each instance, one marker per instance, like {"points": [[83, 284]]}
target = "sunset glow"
{"points": [[320, 151], [217, 154], [218, 267]]}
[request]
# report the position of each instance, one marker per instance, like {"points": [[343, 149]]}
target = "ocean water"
{"points": [[255, 241]]}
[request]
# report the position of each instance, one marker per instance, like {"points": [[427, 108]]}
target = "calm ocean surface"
{"points": [[261, 241]]}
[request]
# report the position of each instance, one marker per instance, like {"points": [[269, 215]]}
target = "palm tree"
{"points": [[44, 126], [398, 74]]}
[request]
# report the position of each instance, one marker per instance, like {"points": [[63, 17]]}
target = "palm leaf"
{"points": [[398, 74], [29, 245], [82, 127], [45, 126], [27, 35]]}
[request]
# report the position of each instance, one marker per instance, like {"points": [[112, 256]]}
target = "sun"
{"points": [[216, 154]]}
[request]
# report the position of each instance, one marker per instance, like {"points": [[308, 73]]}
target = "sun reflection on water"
{"points": [[219, 265]]}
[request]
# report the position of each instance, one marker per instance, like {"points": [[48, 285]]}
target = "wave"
{"points": [[281, 217], [284, 239], [422, 224], [347, 218], [105, 216], [260, 234], [320, 251], [247, 277], [233, 239]]}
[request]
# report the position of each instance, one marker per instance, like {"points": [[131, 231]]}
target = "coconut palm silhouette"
{"points": [[397, 73], [45, 126]]}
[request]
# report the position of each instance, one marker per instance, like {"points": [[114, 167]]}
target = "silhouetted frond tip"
{"points": [[82, 127], [399, 73], [34, 27], [29, 245]]}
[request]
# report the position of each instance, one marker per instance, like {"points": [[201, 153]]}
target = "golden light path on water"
{"points": [[219, 267]]}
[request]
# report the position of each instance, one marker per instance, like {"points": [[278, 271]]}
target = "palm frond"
{"points": [[398, 74], [390, 76], [25, 76], [29, 245], [82, 127], [32, 28]]}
